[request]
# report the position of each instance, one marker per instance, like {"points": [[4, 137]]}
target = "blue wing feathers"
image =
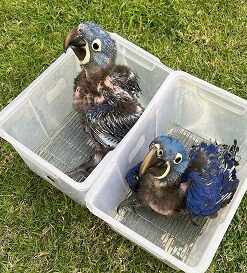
{"points": [[210, 189], [132, 177]]}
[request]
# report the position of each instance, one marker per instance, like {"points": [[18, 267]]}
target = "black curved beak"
{"points": [[76, 42], [149, 160], [156, 166]]}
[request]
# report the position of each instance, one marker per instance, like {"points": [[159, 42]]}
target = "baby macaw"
{"points": [[105, 94], [169, 181]]}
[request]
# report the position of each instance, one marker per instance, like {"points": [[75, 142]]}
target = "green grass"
{"points": [[42, 230]]}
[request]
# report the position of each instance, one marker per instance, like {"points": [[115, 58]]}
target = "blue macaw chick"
{"points": [[169, 181], [105, 94]]}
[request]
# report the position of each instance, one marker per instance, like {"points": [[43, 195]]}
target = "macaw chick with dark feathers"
{"points": [[169, 181], [104, 93]]}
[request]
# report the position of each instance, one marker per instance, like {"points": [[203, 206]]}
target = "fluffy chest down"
{"points": [[160, 196], [86, 95], [111, 119]]}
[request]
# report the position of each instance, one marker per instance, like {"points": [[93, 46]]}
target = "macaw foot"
{"points": [[82, 170], [193, 221], [213, 216], [86, 168], [130, 202], [180, 211], [89, 165]]}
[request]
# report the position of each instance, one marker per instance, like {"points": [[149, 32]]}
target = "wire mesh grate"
{"points": [[175, 234], [68, 146]]}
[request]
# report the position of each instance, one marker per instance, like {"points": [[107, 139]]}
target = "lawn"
{"points": [[42, 230]]}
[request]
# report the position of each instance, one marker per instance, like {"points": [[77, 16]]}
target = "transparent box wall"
{"points": [[45, 130]]}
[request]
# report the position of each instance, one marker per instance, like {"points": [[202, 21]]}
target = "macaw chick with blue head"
{"points": [[95, 49], [168, 180], [105, 94]]}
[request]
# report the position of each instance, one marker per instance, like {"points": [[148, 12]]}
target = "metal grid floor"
{"points": [[175, 234], [68, 146]]}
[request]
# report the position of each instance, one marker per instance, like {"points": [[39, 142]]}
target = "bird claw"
{"points": [[213, 216], [125, 203], [83, 170], [78, 172], [120, 206], [194, 222], [89, 166]]}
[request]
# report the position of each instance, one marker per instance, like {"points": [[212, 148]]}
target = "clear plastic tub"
{"points": [[42, 126], [192, 110]]}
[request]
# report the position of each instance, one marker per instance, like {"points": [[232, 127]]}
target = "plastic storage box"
{"points": [[192, 110], [42, 126]]}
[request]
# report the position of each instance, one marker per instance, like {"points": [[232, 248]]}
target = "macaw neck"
{"points": [[97, 74], [172, 178]]}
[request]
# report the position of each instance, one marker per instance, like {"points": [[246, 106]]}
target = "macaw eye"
{"points": [[96, 45], [178, 158], [160, 152]]}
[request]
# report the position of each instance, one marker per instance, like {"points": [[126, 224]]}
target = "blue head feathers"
{"points": [[93, 45], [166, 157]]}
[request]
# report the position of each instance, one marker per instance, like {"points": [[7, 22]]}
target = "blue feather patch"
{"points": [[132, 177], [212, 186]]}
